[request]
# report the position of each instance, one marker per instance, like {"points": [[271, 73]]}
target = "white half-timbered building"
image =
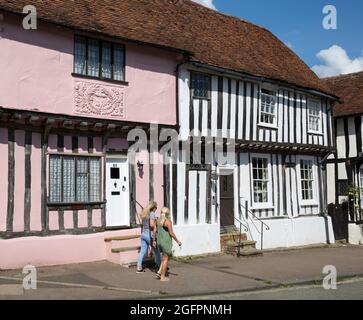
{"points": [[255, 130], [345, 168]]}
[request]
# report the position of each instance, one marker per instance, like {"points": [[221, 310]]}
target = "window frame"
{"points": [[360, 185], [273, 125], [311, 131], [192, 75], [310, 202], [269, 203], [75, 202], [100, 43]]}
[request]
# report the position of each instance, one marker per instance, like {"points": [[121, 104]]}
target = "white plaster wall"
{"points": [[355, 233], [197, 239], [298, 231]]}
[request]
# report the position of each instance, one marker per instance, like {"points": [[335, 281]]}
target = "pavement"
{"points": [[209, 277]]}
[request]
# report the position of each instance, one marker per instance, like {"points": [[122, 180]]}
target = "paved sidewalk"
{"points": [[207, 276]]}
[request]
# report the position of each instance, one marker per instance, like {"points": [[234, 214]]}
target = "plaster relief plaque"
{"points": [[100, 100]]}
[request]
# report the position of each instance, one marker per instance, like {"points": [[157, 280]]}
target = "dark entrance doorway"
{"points": [[339, 216], [226, 202]]}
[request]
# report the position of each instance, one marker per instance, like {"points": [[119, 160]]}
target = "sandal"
{"points": [[165, 279], [158, 275], [140, 271]]}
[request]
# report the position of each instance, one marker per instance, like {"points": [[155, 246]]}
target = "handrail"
{"points": [[263, 224], [257, 218], [240, 235], [241, 223]]}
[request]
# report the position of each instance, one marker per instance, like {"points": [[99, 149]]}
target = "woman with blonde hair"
{"points": [[165, 234], [148, 235]]}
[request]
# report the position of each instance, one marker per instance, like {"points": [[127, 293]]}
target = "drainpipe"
{"points": [[324, 214]]}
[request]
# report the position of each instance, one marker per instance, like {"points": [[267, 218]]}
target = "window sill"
{"points": [[201, 98], [262, 207], [119, 82], [317, 133], [74, 205], [266, 125], [309, 204]]}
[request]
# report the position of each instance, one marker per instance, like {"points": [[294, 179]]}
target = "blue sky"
{"points": [[299, 24]]}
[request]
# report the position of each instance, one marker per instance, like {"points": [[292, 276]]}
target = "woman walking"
{"points": [[148, 235], [165, 234]]}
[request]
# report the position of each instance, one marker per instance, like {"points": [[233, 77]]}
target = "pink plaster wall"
{"points": [[3, 177], [56, 250], [68, 144], [82, 219], [117, 144], [97, 144], [35, 213], [53, 220], [19, 183], [83, 144], [52, 143], [68, 220], [97, 218], [36, 69]]}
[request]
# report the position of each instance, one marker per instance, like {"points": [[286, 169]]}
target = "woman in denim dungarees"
{"points": [[148, 219]]}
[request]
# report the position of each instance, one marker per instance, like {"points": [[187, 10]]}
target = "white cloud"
{"points": [[206, 3], [337, 62]]}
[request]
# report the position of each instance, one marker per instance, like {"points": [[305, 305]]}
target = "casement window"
{"points": [[268, 108], [307, 175], [314, 116], [99, 59], [200, 85], [261, 180], [307, 179], [74, 179]]}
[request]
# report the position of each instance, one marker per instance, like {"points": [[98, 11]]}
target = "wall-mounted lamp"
{"points": [[140, 166]]}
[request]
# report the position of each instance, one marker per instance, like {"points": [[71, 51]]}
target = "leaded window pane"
{"points": [[82, 179], [95, 180], [68, 179], [55, 176], [200, 85], [106, 60], [118, 64], [80, 56], [93, 58]]}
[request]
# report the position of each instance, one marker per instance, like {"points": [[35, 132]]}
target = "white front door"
{"points": [[117, 192]]}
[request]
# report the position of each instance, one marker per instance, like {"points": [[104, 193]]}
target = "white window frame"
{"points": [[320, 131], [275, 114], [315, 200], [360, 178], [269, 203]]}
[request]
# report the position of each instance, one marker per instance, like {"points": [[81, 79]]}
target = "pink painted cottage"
{"points": [[70, 92]]}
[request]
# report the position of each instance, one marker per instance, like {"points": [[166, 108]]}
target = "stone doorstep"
{"points": [[118, 250]]}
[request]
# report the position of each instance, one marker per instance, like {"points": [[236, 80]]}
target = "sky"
{"points": [[299, 24]]}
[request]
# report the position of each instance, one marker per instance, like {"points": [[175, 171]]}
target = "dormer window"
{"points": [[99, 59], [200, 85], [268, 108]]}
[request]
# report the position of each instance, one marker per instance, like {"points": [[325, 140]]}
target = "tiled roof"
{"points": [[213, 38], [350, 90]]}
